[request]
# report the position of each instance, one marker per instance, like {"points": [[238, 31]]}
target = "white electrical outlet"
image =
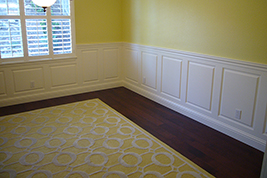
{"points": [[32, 84], [238, 113]]}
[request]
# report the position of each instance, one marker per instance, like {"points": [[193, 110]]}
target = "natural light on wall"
{"points": [[27, 32]]}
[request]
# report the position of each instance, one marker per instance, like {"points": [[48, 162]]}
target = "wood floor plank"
{"points": [[215, 152]]}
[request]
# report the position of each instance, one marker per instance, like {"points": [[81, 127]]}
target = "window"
{"points": [[29, 33]]}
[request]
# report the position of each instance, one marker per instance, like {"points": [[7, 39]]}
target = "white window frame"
{"points": [[49, 17]]}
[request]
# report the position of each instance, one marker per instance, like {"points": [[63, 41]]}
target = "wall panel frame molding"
{"points": [[149, 70], [63, 75], [111, 63], [200, 81], [37, 80], [171, 76], [2, 84], [90, 65], [225, 94], [131, 63], [28, 79], [238, 96]]}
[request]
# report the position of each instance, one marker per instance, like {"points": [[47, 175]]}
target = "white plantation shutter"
{"points": [[26, 31], [31, 9], [9, 7], [61, 8], [10, 38], [37, 37], [61, 30]]}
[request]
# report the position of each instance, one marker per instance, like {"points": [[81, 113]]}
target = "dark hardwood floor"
{"points": [[215, 152]]}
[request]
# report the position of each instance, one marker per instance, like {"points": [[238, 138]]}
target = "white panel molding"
{"points": [[206, 108], [28, 79], [157, 90], [149, 69], [2, 84], [171, 72], [103, 75], [240, 135], [69, 75], [111, 63], [200, 84], [239, 92], [203, 57], [30, 97], [90, 65], [130, 64], [39, 62], [63, 75]]}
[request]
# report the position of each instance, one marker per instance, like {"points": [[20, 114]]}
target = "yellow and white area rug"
{"points": [[82, 140]]}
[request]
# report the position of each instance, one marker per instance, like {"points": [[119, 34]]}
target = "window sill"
{"points": [[39, 61]]}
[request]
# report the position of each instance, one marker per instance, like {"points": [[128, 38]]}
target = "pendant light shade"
{"points": [[44, 3]]}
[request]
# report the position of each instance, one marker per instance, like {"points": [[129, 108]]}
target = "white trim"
{"points": [[66, 88], [58, 93], [253, 136], [198, 55], [39, 61], [264, 165], [208, 121], [73, 29]]}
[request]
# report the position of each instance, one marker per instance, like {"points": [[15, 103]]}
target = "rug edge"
{"points": [[155, 138]]}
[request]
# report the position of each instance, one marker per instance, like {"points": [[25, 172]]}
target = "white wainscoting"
{"points": [[131, 65], [28, 79], [227, 95], [239, 91], [2, 84], [90, 58], [200, 85], [96, 67], [149, 70], [64, 75], [111, 63], [171, 76]]}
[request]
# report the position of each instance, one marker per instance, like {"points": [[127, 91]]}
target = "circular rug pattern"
{"points": [[85, 139]]}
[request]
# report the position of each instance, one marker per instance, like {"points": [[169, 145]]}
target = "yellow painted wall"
{"points": [[98, 21], [234, 29]]}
